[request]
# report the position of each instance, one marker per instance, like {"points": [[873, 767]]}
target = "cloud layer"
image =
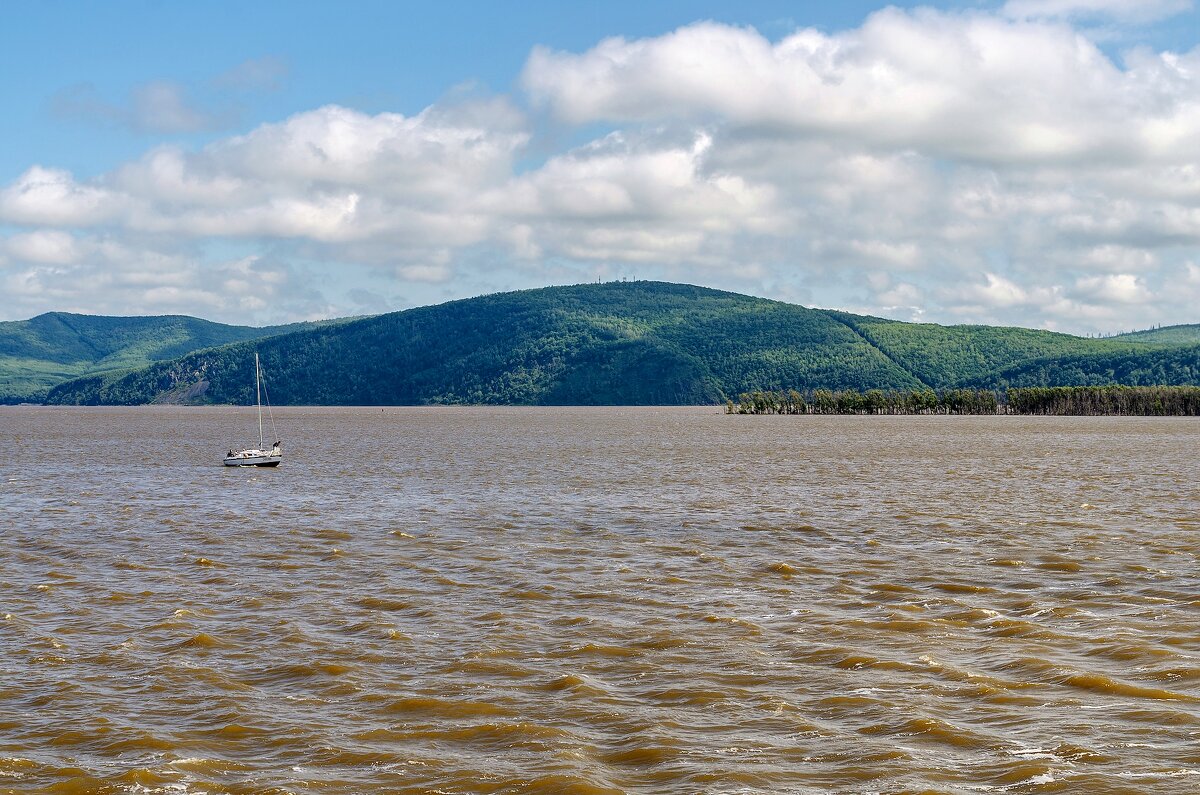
{"points": [[962, 167]]}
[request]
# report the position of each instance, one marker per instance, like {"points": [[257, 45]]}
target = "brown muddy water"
{"points": [[481, 600]]}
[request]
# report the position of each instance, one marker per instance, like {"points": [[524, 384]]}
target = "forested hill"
{"points": [[616, 343], [946, 357], [1174, 335], [635, 343], [44, 351], [1167, 366]]}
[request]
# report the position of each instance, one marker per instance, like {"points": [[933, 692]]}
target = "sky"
{"points": [[1017, 162]]}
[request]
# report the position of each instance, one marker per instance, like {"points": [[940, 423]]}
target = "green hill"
{"points": [[1170, 335], [621, 343], [44, 351], [946, 357], [1171, 366], [618, 343]]}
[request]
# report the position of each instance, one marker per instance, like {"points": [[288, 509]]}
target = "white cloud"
{"points": [[51, 197], [1117, 258], [880, 252], [903, 299], [997, 292], [994, 167], [100, 275], [1121, 288], [432, 152], [431, 273], [967, 86], [1192, 274], [329, 175], [44, 246], [637, 200]]}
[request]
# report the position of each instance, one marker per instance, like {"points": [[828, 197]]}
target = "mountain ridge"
{"points": [[623, 343], [1185, 333], [53, 347]]}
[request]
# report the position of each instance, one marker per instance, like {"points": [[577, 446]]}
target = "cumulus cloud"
{"points": [[44, 246], [961, 86], [328, 175], [996, 292], [967, 166], [1122, 288], [899, 299], [97, 274], [638, 199], [52, 197]]}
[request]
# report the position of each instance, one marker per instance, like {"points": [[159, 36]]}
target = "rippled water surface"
{"points": [[598, 600]]}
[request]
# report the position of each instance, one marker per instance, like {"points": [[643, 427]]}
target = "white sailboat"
{"points": [[258, 456]]}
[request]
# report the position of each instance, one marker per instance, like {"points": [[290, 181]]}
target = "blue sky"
{"points": [[1030, 162], [372, 56]]}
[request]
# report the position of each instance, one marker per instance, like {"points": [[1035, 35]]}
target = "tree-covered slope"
{"points": [[627, 343], [39, 353], [617, 343], [1167, 335], [950, 356], [1166, 366]]}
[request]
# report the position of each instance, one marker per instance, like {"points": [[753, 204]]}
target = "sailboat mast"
{"points": [[258, 398]]}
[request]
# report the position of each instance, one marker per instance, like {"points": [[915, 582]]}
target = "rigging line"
{"points": [[270, 413]]}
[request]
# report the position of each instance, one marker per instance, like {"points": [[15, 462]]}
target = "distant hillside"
{"points": [[946, 357], [44, 351], [1172, 366], [620, 343], [1171, 335]]}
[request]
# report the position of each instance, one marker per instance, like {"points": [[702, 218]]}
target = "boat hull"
{"points": [[260, 456], [253, 458]]}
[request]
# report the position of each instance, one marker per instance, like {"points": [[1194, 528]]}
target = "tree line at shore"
{"points": [[1140, 401]]}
